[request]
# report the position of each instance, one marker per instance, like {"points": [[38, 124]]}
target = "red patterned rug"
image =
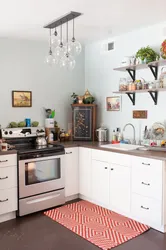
{"points": [[100, 226]]}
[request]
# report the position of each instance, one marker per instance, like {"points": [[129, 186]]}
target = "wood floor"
{"points": [[38, 232]]}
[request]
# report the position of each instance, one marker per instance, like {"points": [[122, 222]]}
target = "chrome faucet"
{"points": [[129, 124]]}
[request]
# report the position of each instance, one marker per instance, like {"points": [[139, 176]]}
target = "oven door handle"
{"points": [[42, 199], [42, 158]]}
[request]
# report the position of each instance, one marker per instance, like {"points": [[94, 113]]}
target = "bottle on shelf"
{"points": [[0, 134]]}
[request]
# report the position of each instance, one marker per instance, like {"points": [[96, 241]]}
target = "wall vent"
{"points": [[107, 47], [110, 46]]}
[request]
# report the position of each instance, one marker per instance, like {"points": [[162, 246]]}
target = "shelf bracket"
{"points": [[131, 73], [132, 97], [154, 69], [154, 95]]}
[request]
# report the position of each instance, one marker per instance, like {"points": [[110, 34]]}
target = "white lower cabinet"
{"points": [[148, 192], [120, 189], [85, 177], [100, 182], [8, 186], [71, 171]]}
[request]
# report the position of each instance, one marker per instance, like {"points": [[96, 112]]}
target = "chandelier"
{"points": [[62, 52]]}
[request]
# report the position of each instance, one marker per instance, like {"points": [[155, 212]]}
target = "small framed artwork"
{"points": [[21, 99], [113, 103], [140, 114]]}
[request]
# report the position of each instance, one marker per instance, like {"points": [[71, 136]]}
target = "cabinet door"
{"points": [[120, 188], [100, 182], [71, 171], [85, 172]]}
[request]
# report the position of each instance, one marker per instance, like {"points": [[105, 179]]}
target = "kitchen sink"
{"points": [[120, 146]]}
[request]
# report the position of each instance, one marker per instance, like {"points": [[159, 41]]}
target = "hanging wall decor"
{"points": [[113, 103], [62, 52], [140, 114], [21, 99]]}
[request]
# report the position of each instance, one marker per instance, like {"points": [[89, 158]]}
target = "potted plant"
{"points": [[163, 49], [74, 96], [147, 55]]}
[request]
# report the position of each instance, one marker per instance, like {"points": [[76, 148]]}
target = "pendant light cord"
{"points": [[73, 39], [61, 44], [50, 51], [67, 36]]}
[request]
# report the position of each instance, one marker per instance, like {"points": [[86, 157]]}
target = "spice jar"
{"points": [[162, 77], [138, 84], [145, 85], [133, 86], [123, 84], [129, 86]]}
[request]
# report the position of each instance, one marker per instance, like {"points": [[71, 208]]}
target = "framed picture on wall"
{"points": [[113, 103], [21, 98]]}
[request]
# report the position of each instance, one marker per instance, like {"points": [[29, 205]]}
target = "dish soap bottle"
{"points": [[119, 135], [114, 136]]}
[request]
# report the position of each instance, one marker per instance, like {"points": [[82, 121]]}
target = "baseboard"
{"points": [[71, 197], [84, 198], [8, 216]]}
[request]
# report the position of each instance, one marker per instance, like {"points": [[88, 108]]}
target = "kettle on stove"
{"points": [[41, 140], [102, 134]]}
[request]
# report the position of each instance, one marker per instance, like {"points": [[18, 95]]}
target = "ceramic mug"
{"points": [[4, 146]]}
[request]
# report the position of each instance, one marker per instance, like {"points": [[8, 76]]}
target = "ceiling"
{"points": [[101, 19]]}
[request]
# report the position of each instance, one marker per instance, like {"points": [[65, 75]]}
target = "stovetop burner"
{"points": [[23, 148]]}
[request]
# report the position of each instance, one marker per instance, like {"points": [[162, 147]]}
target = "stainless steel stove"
{"points": [[40, 170]]}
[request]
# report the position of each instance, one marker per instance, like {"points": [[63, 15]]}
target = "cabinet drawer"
{"points": [[146, 162], [8, 177], [8, 160], [147, 209], [147, 184], [147, 177], [70, 151], [8, 200]]}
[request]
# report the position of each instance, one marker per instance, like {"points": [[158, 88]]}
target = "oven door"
{"points": [[41, 175]]}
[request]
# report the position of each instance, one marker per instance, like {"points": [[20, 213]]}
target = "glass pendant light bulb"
{"points": [[74, 45], [60, 49], [50, 59], [55, 39], [67, 62]]}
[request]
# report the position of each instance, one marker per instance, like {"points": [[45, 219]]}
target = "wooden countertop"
{"points": [[97, 145], [9, 152]]}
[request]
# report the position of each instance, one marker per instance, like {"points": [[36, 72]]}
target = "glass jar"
{"points": [[152, 85], [162, 77], [129, 86], [123, 84], [133, 86], [145, 85], [138, 84]]}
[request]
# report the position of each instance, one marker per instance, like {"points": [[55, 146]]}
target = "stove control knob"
{"points": [[6, 132], [10, 132]]}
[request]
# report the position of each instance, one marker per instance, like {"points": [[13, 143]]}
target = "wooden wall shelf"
{"points": [[131, 69], [131, 94]]}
